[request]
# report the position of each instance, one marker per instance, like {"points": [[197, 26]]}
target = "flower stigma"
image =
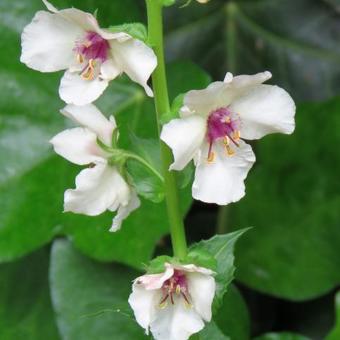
{"points": [[91, 51], [224, 125], [174, 288]]}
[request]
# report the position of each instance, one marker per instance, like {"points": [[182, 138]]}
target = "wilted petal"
{"points": [[198, 283], [97, 189], [90, 117], [136, 59], [184, 136], [78, 145], [76, 90], [265, 109], [176, 322], [124, 211], [48, 42], [222, 181]]}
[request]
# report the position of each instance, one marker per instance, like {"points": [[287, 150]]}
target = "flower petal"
{"points": [[144, 303], [191, 268], [176, 322], [78, 145], [97, 189], [90, 117], [244, 81], [48, 42], [136, 59], [198, 283], [265, 109], [76, 90], [50, 7], [124, 211], [204, 101], [184, 136], [109, 70], [222, 181]]}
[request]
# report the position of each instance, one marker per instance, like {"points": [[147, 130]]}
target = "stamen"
{"points": [[186, 301], [88, 73], [229, 150], [211, 154], [80, 58], [164, 302], [178, 289], [172, 299], [237, 135]]}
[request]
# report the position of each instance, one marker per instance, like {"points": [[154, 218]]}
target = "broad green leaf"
{"points": [[282, 336], [293, 201], [222, 248], [89, 298], [298, 41], [335, 332], [25, 307], [211, 331], [147, 183], [33, 179]]}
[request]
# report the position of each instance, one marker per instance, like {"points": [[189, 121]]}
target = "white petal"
{"points": [[90, 117], [250, 80], [50, 7], [78, 145], [136, 59], [97, 189], [265, 109], [191, 268], [222, 181], [48, 42], [155, 281], [204, 101], [124, 211], [144, 303], [184, 136], [176, 322], [198, 283], [76, 90], [109, 70]]}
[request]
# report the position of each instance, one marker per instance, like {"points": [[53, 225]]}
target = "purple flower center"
{"points": [[223, 124], [91, 50], [176, 286]]}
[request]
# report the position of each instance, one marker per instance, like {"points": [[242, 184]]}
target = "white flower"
{"points": [[72, 39], [211, 126], [99, 187], [173, 304]]}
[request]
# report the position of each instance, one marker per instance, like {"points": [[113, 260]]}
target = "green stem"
{"points": [[145, 163], [155, 28]]}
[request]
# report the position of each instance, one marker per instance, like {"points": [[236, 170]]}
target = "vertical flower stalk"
{"points": [[155, 29]]}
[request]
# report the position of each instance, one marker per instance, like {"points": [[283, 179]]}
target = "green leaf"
{"points": [[137, 30], [222, 248], [25, 307], [90, 299], [146, 182], [156, 265], [281, 336], [211, 331], [335, 332], [293, 202], [301, 50], [202, 257]]}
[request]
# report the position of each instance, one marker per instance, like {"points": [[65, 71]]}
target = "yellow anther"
{"points": [[187, 304], [80, 58], [163, 304], [229, 150], [211, 157], [226, 140], [178, 289], [88, 74], [237, 135]]}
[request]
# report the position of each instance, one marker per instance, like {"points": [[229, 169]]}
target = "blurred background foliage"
{"points": [[287, 265]]}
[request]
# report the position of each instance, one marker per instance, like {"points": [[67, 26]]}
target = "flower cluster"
{"points": [[210, 129]]}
